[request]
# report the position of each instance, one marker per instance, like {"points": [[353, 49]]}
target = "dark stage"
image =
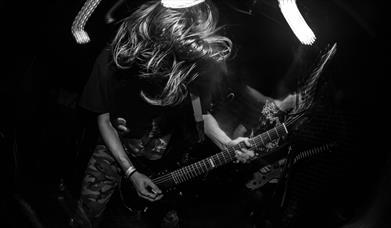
{"points": [[46, 138]]}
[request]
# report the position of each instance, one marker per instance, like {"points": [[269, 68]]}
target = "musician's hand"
{"points": [[120, 124], [145, 187], [265, 169], [288, 103], [243, 155]]}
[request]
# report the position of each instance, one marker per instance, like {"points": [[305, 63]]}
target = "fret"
{"points": [[211, 162], [173, 177], [216, 159], [197, 169], [252, 142], [208, 165], [184, 174], [231, 154], [276, 130], [269, 136], [277, 134], [264, 140], [286, 130], [257, 142], [191, 169], [203, 166], [260, 136], [224, 158], [178, 174], [221, 158], [188, 170]]}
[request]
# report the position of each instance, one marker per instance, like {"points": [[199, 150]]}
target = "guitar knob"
{"points": [[230, 96]]}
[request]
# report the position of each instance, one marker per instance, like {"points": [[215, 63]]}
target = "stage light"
{"points": [[80, 20], [296, 21]]}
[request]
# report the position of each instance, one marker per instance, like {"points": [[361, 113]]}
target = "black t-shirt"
{"points": [[117, 91]]}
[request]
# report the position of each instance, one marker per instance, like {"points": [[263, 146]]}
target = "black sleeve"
{"points": [[209, 85], [97, 91]]}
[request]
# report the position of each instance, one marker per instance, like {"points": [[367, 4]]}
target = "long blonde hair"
{"points": [[166, 44]]}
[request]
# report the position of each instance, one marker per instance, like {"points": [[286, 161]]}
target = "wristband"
{"points": [[130, 171]]}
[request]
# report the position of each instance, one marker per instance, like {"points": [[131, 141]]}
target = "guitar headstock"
{"points": [[309, 91]]}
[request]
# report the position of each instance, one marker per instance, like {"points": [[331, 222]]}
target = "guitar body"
{"points": [[277, 168], [155, 169], [137, 204], [259, 178]]}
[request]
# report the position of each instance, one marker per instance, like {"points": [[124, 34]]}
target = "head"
{"points": [[166, 44]]}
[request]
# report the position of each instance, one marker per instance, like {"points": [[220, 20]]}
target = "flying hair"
{"points": [[166, 43]]}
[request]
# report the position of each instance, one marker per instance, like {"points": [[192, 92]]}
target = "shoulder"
{"points": [[208, 68], [210, 74], [104, 68]]}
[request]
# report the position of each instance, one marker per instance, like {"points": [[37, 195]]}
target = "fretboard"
{"points": [[226, 156]]}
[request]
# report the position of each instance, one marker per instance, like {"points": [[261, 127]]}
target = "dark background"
{"points": [[46, 137]]}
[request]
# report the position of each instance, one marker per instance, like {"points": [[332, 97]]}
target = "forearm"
{"points": [[111, 138], [286, 103], [214, 132], [283, 104]]}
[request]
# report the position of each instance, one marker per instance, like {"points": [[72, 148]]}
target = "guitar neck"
{"points": [[226, 156]]}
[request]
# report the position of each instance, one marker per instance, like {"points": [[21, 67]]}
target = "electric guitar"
{"points": [[277, 168]]}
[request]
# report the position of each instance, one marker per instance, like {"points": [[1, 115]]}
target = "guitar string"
{"points": [[181, 174], [182, 178], [223, 156]]}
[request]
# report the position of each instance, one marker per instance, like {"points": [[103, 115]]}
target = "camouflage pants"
{"points": [[101, 177]]}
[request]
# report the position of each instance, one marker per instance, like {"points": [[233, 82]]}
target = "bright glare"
{"points": [[81, 36], [296, 21]]}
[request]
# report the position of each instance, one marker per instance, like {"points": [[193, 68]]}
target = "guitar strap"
{"points": [[197, 110]]}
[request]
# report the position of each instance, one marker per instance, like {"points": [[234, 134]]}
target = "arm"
{"points": [[111, 138], [284, 104], [214, 132], [144, 186], [221, 139]]}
